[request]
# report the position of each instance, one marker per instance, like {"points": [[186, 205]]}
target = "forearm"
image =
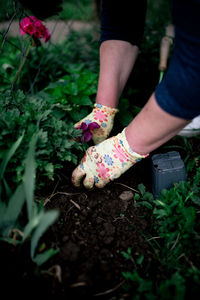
{"points": [[152, 127], [117, 59]]}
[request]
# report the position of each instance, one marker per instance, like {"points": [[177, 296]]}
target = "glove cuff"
{"points": [[134, 156], [109, 110]]}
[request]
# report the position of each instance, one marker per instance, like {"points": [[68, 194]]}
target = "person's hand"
{"points": [[104, 117], [105, 162]]}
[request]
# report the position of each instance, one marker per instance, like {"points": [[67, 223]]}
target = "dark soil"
{"points": [[93, 228]]}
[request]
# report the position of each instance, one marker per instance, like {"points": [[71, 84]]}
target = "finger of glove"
{"points": [[101, 184], [99, 135], [77, 176], [98, 139], [88, 181]]}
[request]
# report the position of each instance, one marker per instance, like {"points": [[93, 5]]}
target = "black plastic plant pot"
{"points": [[167, 169]]}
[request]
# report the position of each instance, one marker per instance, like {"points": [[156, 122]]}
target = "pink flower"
{"points": [[86, 130], [103, 171], [120, 153], [99, 115], [34, 27]]}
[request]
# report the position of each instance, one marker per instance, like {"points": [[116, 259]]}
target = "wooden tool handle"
{"points": [[170, 31], [164, 52], [166, 42]]}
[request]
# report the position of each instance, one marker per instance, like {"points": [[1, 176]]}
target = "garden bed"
{"points": [[113, 243], [93, 229], [107, 242]]}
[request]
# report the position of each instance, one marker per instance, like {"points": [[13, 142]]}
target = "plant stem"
{"points": [[22, 64]]}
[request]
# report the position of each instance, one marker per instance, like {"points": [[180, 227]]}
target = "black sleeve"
{"points": [[123, 20], [42, 9]]}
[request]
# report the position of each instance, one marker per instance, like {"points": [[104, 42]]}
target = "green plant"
{"points": [[141, 287], [189, 148], [75, 92], [175, 212], [174, 238], [77, 10], [47, 63], [56, 140], [12, 205]]}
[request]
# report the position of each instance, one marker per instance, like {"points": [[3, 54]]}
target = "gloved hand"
{"points": [[104, 117], [105, 162]]}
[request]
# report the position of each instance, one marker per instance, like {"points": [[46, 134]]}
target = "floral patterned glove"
{"points": [[105, 162], [104, 117]]}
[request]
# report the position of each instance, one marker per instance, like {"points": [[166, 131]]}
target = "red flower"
{"points": [[33, 26], [86, 130]]}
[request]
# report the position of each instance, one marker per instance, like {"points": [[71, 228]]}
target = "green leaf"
{"points": [[58, 92], [81, 100], [145, 204], [136, 197], [78, 114], [9, 155], [134, 276], [140, 259], [48, 218], [15, 204], [159, 213], [29, 175], [7, 188], [141, 188], [3, 208], [196, 200], [32, 224], [71, 89], [41, 258], [159, 203], [148, 196], [86, 78], [49, 168], [127, 254]]}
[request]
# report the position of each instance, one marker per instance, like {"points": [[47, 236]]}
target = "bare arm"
{"points": [[152, 127], [117, 59]]}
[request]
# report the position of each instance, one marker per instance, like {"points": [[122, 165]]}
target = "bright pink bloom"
{"points": [[34, 27], [103, 171]]}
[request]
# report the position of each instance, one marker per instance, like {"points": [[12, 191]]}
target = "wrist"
{"points": [[134, 156], [104, 108], [107, 100]]}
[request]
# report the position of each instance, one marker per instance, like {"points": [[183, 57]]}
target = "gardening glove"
{"points": [[105, 162], [104, 117]]}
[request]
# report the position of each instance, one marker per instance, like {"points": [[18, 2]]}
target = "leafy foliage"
{"points": [[175, 220], [47, 63], [12, 207], [56, 141], [75, 93], [80, 10]]}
